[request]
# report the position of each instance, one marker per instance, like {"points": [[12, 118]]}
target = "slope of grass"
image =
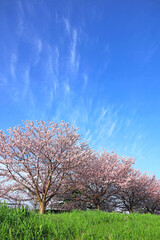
{"points": [[23, 224]]}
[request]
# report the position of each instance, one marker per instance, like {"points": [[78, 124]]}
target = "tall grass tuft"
{"points": [[23, 224]]}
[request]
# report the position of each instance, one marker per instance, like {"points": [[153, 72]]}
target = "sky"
{"points": [[94, 64]]}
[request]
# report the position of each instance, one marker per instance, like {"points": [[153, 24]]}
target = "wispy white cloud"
{"points": [[51, 73], [67, 25], [26, 82], [105, 125], [20, 14], [103, 113], [50, 98], [15, 94], [111, 129], [20, 25], [53, 65], [85, 78], [153, 49], [27, 93], [21, 91], [39, 45], [66, 87], [57, 60], [73, 46], [30, 7], [13, 65], [98, 125], [38, 48], [88, 136], [74, 59], [3, 81], [128, 122]]}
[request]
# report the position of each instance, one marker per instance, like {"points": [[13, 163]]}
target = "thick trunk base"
{"points": [[42, 208], [97, 206]]}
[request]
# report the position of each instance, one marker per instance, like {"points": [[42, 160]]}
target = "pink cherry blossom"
{"points": [[35, 160]]}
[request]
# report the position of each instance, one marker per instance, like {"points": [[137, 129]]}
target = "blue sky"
{"points": [[95, 64]]}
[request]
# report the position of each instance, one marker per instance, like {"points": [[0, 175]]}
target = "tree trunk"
{"points": [[42, 207], [97, 206], [152, 210], [131, 209]]}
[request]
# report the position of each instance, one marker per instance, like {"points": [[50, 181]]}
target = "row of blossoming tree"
{"points": [[47, 163]]}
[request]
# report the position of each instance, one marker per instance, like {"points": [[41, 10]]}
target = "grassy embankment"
{"points": [[22, 224]]}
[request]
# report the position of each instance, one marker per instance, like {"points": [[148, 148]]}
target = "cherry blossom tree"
{"points": [[152, 202], [100, 178], [135, 189], [36, 158]]}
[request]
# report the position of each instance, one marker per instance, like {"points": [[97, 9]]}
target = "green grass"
{"points": [[22, 224]]}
